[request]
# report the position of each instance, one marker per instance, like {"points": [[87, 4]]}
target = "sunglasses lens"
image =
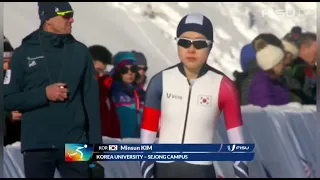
{"points": [[142, 68], [134, 69], [184, 43], [68, 15], [124, 70], [200, 44]]}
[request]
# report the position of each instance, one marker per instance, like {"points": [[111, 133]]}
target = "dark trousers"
{"points": [[42, 164], [13, 130]]}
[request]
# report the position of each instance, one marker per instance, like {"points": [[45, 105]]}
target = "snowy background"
{"points": [[122, 26]]}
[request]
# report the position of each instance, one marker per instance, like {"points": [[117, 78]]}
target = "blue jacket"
{"points": [[129, 101], [247, 54]]}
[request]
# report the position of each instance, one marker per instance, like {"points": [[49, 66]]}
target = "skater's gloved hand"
{"points": [[241, 169], [147, 169]]}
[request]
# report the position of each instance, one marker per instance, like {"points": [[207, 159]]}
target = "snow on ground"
{"points": [[122, 26]]}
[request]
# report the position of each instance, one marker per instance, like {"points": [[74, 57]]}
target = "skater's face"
{"points": [[193, 49]]}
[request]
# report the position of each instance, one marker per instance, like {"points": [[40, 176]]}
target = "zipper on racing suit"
{"points": [[187, 112]]}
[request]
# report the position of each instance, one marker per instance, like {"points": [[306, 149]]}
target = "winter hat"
{"points": [[247, 54], [124, 58], [291, 48], [49, 10], [101, 53], [197, 23], [140, 58], [292, 40], [268, 55], [296, 30], [7, 48], [269, 39]]}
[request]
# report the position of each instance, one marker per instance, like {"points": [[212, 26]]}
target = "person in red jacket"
{"points": [[110, 124]]}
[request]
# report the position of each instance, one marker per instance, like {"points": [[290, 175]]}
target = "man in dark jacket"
{"points": [[53, 84]]}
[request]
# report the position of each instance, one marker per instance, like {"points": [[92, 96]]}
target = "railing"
{"points": [[285, 138]]}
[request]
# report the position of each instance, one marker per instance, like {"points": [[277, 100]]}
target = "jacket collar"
{"points": [[204, 69], [56, 40], [51, 39]]}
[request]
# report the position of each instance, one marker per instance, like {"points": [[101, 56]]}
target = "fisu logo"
{"points": [[173, 96], [231, 148]]}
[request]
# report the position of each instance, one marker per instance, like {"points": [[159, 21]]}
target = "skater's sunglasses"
{"points": [[197, 43], [125, 69], [142, 68], [66, 14]]}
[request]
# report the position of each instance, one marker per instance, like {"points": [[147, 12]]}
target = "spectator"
{"points": [[102, 58], [291, 52], [7, 53], [266, 87], [303, 68], [12, 119], [269, 39], [247, 54], [294, 35], [294, 87], [110, 125], [53, 83], [141, 61], [127, 95], [296, 32], [310, 88], [249, 65], [308, 48]]}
